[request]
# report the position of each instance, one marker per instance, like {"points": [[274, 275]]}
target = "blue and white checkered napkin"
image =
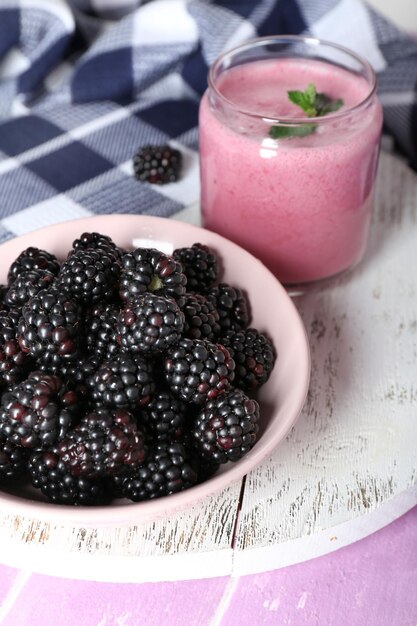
{"points": [[84, 84]]}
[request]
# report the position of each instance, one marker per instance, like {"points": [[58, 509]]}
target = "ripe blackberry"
{"points": [[13, 360], [3, 293], [32, 259], [157, 165], [232, 305], [90, 275], [200, 266], [13, 460], [149, 324], [124, 381], [201, 317], [96, 241], [50, 474], [37, 412], [27, 285], [106, 442], [254, 356], [196, 369], [100, 326], [227, 427], [49, 328], [165, 417], [79, 377], [166, 471], [148, 269]]}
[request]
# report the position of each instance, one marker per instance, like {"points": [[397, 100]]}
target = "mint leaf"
{"points": [[313, 104], [325, 105], [284, 132], [306, 100]]}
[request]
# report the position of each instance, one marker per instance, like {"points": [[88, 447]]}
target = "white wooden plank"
{"points": [[195, 543], [353, 449]]}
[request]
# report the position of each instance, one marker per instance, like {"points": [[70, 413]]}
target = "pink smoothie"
{"points": [[301, 205]]}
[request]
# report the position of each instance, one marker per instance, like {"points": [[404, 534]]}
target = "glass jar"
{"points": [[295, 190]]}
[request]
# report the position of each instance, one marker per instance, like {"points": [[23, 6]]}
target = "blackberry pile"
{"points": [[125, 373]]}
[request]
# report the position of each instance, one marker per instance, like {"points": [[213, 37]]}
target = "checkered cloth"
{"points": [[84, 84]]}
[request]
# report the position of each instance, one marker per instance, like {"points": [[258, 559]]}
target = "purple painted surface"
{"points": [[372, 583]]}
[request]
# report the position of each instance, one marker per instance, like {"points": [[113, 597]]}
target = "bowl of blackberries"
{"points": [[144, 364]]}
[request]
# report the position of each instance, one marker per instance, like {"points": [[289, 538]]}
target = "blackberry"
{"points": [[149, 324], [124, 381], [106, 442], [79, 376], [196, 369], [254, 357], [3, 293], [227, 427], [33, 259], [27, 285], [148, 269], [13, 360], [37, 412], [90, 275], [232, 306], [50, 474], [100, 324], [200, 266], [49, 328], [166, 471], [157, 165], [165, 417], [13, 460], [96, 241], [201, 317]]}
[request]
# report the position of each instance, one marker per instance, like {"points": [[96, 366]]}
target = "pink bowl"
{"points": [[281, 398]]}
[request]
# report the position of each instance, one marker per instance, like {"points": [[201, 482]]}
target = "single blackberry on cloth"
{"points": [[254, 357], [150, 324], [166, 416], [90, 275], [106, 442], [50, 474], [37, 412], [49, 329], [124, 381], [27, 285], [200, 265], [227, 427], [166, 471], [201, 317], [13, 460], [33, 259], [196, 369], [100, 329], [232, 306], [157, 165], [13, 360], [148, 269]]}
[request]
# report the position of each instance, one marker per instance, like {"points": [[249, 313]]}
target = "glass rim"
{"points": [[313, 41]]}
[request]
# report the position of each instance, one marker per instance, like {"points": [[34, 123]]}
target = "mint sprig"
{"points": [[313, 104]]}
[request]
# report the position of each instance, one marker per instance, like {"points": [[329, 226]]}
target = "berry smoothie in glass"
{"points": [[289, 142]]}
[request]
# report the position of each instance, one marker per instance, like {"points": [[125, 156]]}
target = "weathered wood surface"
{"points": [[354, 447], [348, 467]]}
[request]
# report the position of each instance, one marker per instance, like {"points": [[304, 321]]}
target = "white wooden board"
{"points": [[348, 467]]}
